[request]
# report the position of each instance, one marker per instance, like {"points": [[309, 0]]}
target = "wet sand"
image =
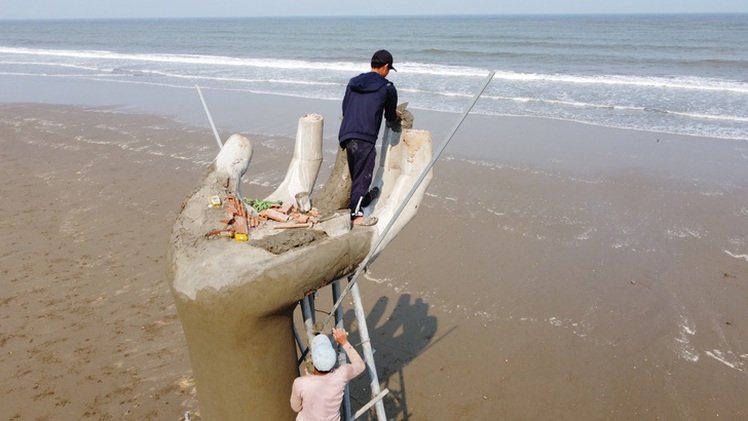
{"points": [[566, 274]]}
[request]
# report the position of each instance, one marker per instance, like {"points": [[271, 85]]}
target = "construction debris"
{"points": [[239, 221], [273, 214]]}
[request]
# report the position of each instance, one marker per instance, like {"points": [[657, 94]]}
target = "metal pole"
{"points": [[341, 354], [307, 312], [363, 330], [362, 267], [210, 119]]}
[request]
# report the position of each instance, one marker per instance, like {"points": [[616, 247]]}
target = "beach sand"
{"points": [[563, 271]]}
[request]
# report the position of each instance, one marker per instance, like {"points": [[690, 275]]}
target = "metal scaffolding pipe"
{"points": [[342, 359], [358, 308]]}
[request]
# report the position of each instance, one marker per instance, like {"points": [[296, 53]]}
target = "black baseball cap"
{"points": [[380, 58]]}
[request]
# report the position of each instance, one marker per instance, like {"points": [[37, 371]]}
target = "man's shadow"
{"points": [[397, 338]]}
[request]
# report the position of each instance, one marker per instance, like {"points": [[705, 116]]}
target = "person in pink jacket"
{"points": [[317, 396]]}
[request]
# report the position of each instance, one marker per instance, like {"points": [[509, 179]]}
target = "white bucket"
{"points": [[302, 202], [337, 225]]}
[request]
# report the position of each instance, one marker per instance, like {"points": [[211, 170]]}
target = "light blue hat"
{"points": [[323, 356]]}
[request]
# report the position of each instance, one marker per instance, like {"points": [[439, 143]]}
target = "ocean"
{"points": [[677, 74], [555, 270]]}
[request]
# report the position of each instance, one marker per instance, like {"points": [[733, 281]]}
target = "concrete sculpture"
{"points": [[235, 299]]}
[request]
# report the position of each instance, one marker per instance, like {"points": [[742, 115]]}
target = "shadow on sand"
{"points": [[398, 336]]}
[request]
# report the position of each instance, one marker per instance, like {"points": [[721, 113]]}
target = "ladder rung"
{"points": [[371, 403]]}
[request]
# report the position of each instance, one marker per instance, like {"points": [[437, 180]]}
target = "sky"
{"points": [[107, 9]]}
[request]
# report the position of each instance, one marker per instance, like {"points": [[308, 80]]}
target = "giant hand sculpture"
{"points": [[235, 299]]}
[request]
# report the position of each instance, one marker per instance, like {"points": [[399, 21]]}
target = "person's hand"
{"points": [[340, 335]]}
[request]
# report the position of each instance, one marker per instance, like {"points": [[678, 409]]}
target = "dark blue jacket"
{"points": [[366, 97]]}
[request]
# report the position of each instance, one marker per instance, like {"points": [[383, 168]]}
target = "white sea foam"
{"points": [[738, 256], [727, 358], [586, 235], [684, 233], [683, 346], [737, 241]]}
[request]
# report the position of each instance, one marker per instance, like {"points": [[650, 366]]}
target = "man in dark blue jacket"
{"points": [[367, 96]]}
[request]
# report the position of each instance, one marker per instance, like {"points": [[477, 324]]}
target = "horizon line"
{"points": [[527, 14]]}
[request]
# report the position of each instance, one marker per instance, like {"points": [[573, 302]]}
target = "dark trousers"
{"points": [[362, 157]]}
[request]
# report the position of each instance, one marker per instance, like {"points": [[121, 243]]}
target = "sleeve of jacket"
{"points": [[390, 104], [356, 365], [346, 97]]}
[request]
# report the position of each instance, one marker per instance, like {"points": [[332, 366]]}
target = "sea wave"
{"points": [[409, 68], [684, 104]]}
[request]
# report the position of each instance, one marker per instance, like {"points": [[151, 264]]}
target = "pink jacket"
{"points": [[318, 397]]}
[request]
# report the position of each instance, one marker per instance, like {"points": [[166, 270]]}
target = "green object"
{"points": [[260, 205]]}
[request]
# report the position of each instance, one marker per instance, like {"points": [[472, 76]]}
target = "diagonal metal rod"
{"points": [[362, 267], [210, 119], [371, 403], [371, 366]]}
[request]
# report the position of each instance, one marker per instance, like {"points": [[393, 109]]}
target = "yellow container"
{"points": [[240, 237]]}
